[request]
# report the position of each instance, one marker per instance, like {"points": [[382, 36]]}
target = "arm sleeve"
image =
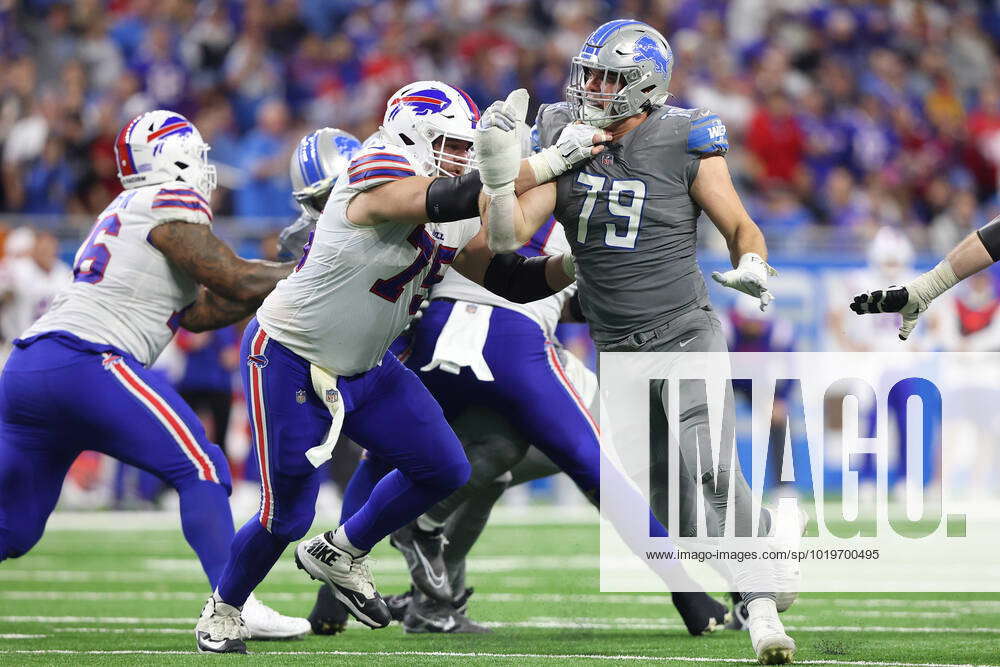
{"points": [[378, 165], [707, 136], [177, 203]]}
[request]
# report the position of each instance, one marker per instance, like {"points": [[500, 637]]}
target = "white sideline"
{"points": [[502, 656]]}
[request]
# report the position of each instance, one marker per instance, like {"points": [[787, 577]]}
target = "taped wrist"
{"points": [[929, 286], [517, 279], [989, 234], [546, 164], [451, 199]]}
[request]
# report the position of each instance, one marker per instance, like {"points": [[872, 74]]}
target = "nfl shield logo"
{"points": [[607, 158], [471, 308], [332, 396], [300, 396]]}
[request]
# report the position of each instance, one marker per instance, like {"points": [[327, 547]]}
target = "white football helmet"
{"points": [[422, 115], [317, 163], [161, 146]]}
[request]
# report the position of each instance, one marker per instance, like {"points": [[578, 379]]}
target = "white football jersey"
{"points": [[125, 292], [31, 290], [357, 288], [549, 240]]}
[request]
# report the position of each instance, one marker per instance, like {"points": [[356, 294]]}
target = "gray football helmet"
{"points": [[628, 54], [317, 163]]}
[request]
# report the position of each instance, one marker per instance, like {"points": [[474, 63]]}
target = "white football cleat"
{"points": [[348, 577], [767, 634], [787, 526], [220, 628], [266, 623]]}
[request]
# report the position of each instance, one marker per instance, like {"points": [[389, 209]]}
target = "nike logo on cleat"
{"points": [[437, 580], [685, 342], [322, 552]]}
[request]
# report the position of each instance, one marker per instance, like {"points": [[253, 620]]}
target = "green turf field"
{"points": [[132, 596]]}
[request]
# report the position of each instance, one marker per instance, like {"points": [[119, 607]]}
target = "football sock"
{"points": [[340, 540], [369, 471], [253, 554], [207, 523], [394, 502]]}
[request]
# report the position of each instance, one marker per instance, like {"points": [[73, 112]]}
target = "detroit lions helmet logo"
{"points": [[422, 102], [646, 48], [346, 146]]}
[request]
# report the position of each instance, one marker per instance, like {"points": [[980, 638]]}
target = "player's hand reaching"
{"points": [[498, 147], [577, 142], [750, 277], [293, 238], [893, 299]]}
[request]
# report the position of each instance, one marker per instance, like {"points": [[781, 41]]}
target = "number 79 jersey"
{"points": [[631, 221], [357, 288], [125, 293]]}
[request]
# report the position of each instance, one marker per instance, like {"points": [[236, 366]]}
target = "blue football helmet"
{"points": [[317, 164]]}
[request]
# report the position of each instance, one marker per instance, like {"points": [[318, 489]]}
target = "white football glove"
{"points": [[749, 277], [575, 144], [498, 146]]}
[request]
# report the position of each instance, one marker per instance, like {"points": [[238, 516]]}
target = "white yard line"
{"points": [[503, 656], [110, 521], [537, 622]]}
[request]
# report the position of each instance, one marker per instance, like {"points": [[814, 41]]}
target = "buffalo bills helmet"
{"points": [[423, 115], [322, 156], [162, 146], [628, 55]]}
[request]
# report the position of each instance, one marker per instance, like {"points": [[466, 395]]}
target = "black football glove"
{"points": [[893, 299]]}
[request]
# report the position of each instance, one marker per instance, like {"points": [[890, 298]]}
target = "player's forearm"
{"points": [[746, 238], [259, 278], [970, 256], [211, 311], [506, 229]]}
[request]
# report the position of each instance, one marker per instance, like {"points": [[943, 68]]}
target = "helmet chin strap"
{"points": [[596, 117]]}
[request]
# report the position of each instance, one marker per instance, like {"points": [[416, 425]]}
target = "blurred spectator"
{"points": [[903, 95], [955, 223], [207, 383], [776, 141], [29, 281], [265, 191]]}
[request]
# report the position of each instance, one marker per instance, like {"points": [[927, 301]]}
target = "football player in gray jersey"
{"points": [[630, 215]]}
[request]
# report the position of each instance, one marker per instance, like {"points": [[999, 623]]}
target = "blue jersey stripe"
{"points": [[182, 193], [379, 157], [708, 135], [171, 203], [372, 173]]}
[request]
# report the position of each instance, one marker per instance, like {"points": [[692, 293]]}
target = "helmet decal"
{"points": [[646, 48], [161, 146], [171, 126], [422, 102]]}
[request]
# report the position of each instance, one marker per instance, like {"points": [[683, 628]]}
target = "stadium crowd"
{"points": [[850, 115]]}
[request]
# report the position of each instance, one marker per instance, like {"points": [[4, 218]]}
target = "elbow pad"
{"points": [[517, 279], [989, 234], [454, 198]]}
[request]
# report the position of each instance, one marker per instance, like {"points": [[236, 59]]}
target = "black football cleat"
{"points": [[739, 619], [425, 615], [424, 554], [398, 603], [700, 612], [329, 615]]}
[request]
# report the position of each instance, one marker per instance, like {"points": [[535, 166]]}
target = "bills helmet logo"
{"points": [[174, 125], [258, 360], [422, 102], [646, 48]]}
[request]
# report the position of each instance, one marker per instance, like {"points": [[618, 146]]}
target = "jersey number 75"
{"points": [[392, 288]]}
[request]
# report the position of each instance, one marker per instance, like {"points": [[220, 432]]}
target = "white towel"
{"points": [[461, 341], [325, 385]]}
